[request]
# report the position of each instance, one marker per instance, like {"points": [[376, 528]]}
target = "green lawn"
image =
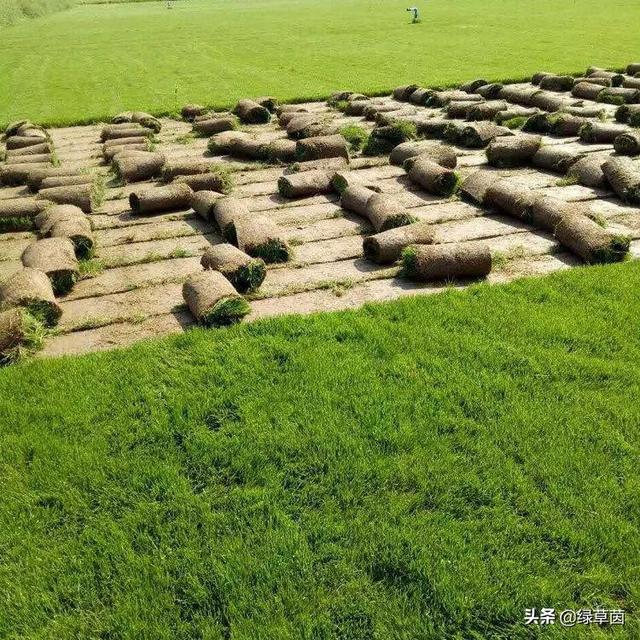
{"points": [[95, 60], [418, 470]]}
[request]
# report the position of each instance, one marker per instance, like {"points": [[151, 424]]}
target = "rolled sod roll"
{"points": [[169, 198], [480, 134], [486, 110], [147, 120], [443, 98], [588, 171], [420, 96], [311, 127], [458, 109], [326, 164], [31, 289], [43, 148], [425, 262], [372, 111], [589, 240], [12, 128], [555, 158], [283, 150], [45, 220], [212, 299], [631, 83], [226, 212], [513, 152], [57, 258], [114, 152], [78, 230], [473, 86], [67, 181], [356, 108], [22, 207], [287, 116], [536, 78], [290, 108], [40, 158], [587, 90], [403, 93], [387, 246], [474, 187], [624, 177], [245, 273], [385, 212], [22, 142], [14, 325], [601, 132], [212, 181], [633, 68], [615, 95], [510, 198], [566, 125], [249, 148], [17, 174], [33, 132], [556, 83], [547, 212], [268, 102], [490, 91], [145, 166], [123, 142], [444, 155], [80, 195], [260, 237], [355, 198], [173, 169], [616, 78], [603, 82], [341, 180], [519, 95], [628, 144], [628, 112], [322, 147], [202, 202], [215, 125], [548, 101], [250, 112], [594, 111], [514, 112], [190, 111], [113, 131], [431, 176], [303, 185]]}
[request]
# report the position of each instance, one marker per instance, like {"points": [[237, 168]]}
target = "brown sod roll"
{"points": [[631, 83], [249, 148], [431, 176], [356, 108], [556, 83], [490, 91], [372, 111], [603, 82], [32, 131], [56, 257], [616, 95], [555, 158], [123, 142], [403, 93], [41, 158], [31, 289], [13, 127], [566, 125], [536, 78], [44, 148], [624, 177], [629, 113], [633, 68], [136, 168], [338, 96], [215, 125], [212, 299], [547, 212], [548, 101], [480, 134], [385, 212], [113, 152], [458, 109], [616, 78], [539, 123], [283, 150], [473, 86], [601, 132], [212, 181], [113, 131], [22, 142], [440, 153], [443, 98], [245, 273], [22, 207], [519, 95], [120, 118], [322, 147], [147, 120], [355, 198], [260, 237], [250, 112], [515, 111], [66, 181], [510, 198], [513, 152], [45, 220], [588, 171], [589, 240], [474, 187], [627, 144], [303, 185], [584, 112], [587, 91], [169, 198], [202, 202], [420, 96], [173, 169], [78, 230], [80, 195], [387, 246], [16, 174], [287, 116], [425, 262], [190, 111], [268, 102], [486, 110], [302, 127], [226, 212]]}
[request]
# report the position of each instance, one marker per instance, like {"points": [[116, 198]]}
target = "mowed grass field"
{"points": [[95, 60], [424, 469]]}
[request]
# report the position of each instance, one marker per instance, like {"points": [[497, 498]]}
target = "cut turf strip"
{"points": [[439, 262]]}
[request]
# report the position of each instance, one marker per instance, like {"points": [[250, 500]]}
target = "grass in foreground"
{"points": [[95, 60], [424, 469]]}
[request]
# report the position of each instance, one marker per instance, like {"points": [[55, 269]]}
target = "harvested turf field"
{"points": [[483, 461], [95, 60]]}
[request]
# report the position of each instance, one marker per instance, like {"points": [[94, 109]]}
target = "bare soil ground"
{"points": [[145, 259]]}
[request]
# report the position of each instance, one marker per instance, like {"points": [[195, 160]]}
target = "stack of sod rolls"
{"points": [[384, 212], [138, 117], [125, 130], [56, 258], [28, 146], [212, 123], [425, 171], [245, 273], [111, 148], [68, 221], [252, 112], [137, 165]]}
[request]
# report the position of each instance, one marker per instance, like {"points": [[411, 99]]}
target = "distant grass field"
{"points": [[421, 470], [95, 60]]}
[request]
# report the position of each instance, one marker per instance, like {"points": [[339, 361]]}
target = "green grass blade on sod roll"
{"points": [[260, 237], [31, 289], [245, 273]]}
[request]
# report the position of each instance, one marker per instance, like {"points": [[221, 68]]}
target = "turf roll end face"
{"points": [[245, 273], [31, 289], [431, 176]]}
